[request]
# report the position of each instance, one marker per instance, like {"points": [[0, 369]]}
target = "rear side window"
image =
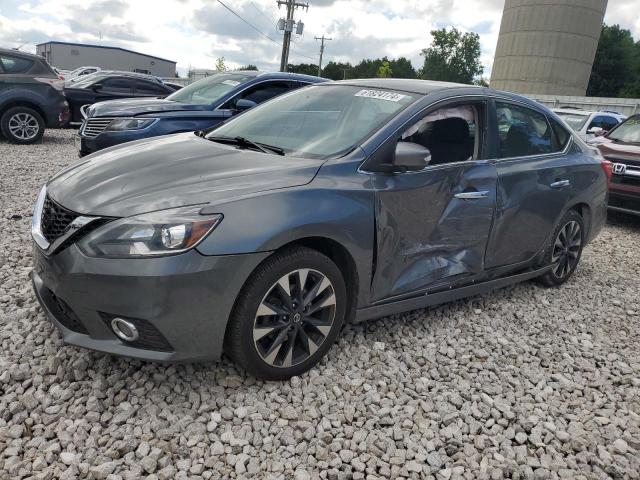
{"points": [[148, 88], [11, 64], [522, 131], [120, 85]]}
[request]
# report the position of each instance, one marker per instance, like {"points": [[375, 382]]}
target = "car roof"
{"points": [[19, 53], [277, 75], [422, 87]]}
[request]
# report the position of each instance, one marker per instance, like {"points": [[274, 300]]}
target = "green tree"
{"points": [[220, 65], [248, 67], [616, 65], [338, 71], [453, 57], [303, 68], [384, 70]]}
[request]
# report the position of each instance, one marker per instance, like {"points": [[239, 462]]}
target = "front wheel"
{"points": [[565, 250], [288, 314]]}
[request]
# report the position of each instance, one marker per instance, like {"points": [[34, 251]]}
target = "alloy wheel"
{"points": [[24, 126], [294, 318], [566, 249]]}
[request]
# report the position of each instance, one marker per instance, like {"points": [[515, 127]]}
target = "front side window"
{"points": [[209, 89], [450, 133], [604, 122], [11, 64], [318, 122], [259, 93], [522, 131], [117, 85]]}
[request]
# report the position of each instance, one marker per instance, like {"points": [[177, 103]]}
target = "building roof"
{"points": [[106, 47]]}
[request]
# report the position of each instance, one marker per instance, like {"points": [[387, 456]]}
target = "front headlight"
{"points": [[160, 233], [120, 124]]}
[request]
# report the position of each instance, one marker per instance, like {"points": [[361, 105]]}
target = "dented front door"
{"points": [[432, 227]]}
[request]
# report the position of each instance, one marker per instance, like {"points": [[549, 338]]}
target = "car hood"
{"points": [[169, 172], [140, 106], [616, 150]]}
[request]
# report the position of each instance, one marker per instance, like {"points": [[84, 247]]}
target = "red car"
{"points": [[621, 146]]}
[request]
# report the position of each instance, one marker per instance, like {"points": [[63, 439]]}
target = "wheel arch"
{"points": [[584, 210], [24, 103]]}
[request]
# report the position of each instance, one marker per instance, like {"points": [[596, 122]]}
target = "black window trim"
{"points": [[539, 155]]}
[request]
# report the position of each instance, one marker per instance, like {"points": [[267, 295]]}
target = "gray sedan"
{"points": [[334, 203]]}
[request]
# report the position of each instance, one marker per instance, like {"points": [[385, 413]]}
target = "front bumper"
{"points": [[180, 303], [90, 145], [624, 198]]}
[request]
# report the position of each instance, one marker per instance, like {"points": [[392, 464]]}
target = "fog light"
{"points": [[124, 330]]}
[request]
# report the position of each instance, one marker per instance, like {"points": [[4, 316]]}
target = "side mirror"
{"points": [[244, 104], [597, 131], [97, 87], [411, 156]]}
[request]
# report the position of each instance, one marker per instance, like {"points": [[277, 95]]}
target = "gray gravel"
{"points": [[522, 383]]}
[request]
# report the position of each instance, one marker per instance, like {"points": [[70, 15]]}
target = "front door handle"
{"points": [[472, 195], [560, 184]]}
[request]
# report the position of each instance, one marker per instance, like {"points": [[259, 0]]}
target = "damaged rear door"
{"points": [[433, 226]]}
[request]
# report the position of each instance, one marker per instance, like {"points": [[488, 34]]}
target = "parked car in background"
{"points": [[81, 71], [339, 201], [110, 85], [175, 86], [589, 124], [621, 146], [31, 97], [201, 105]]}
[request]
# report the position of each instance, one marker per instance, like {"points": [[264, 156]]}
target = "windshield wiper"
{"points": [[241, 141]]}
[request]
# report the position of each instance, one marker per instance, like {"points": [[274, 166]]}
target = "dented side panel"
{"points": [[425, 235]]}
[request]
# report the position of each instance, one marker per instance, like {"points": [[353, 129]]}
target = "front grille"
{"points": [[55, 220], [95, 126], [66, 316], [626, 180]]}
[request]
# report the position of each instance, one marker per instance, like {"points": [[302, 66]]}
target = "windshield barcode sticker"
{"points": [[381, 95]]}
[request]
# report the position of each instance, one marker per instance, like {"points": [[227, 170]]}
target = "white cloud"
{"points": [[195, 32]]}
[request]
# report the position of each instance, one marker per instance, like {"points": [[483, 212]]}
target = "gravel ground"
{"points": [[521, 383]]}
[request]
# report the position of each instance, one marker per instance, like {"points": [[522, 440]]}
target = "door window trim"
{"points": [[456, 99]]}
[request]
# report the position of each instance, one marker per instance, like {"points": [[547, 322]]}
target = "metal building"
{"points": [[68, 56], [547, 47]]}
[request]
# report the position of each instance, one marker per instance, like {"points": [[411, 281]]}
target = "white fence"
{"points": [[626, 106]]}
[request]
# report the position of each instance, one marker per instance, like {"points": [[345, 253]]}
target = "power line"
{"points": [[248, 23]]}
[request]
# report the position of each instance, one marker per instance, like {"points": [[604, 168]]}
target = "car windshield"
{"points": [[86, 80], [574, 120], [628, 131], [319, 121], [209, 89]]}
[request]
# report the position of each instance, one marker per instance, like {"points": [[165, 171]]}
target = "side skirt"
{"points": [[431, 299]]}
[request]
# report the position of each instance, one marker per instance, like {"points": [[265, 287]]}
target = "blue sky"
{"points": [[196, 32]]}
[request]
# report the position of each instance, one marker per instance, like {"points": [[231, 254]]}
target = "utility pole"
{"points": [[323, 38], [287, 25]]}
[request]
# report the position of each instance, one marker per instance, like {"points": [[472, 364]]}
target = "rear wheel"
{"points": [[288, 314], [565, 250], [22, 125]]}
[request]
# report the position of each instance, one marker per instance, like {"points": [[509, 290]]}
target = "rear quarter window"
{"points": [[11, 64]]}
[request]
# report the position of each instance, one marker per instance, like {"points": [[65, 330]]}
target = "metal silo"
{"points": [[547, 47]]}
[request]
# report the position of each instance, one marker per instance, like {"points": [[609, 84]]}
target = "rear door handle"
{"points": [[472, 195], [560, 184]]}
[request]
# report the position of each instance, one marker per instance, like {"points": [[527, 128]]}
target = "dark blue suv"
{"points": [[199, 106]]}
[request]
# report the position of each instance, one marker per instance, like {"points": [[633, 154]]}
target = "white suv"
{"points": [[589, 124]]}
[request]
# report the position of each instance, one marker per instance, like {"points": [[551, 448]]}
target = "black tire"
{"points": [[565, 250], [15, 116], [300, 335]]}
